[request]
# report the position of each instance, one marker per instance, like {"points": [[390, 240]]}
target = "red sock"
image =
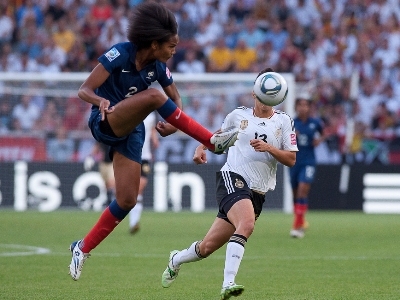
{"points": [[106, 223], [189, 126], [299, 212]]}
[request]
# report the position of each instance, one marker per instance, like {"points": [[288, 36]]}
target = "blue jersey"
{"points": [[124, 80], [306, 132]]}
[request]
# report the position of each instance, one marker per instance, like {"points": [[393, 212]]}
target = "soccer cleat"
{"points": [[170, 272], [231, 290], [297, 233], [77, 261], [134, 229], [224, 139]]}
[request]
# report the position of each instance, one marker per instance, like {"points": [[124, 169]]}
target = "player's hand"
{"points": [[165, 129], [200, 156], [260, 146], [105, 108]]}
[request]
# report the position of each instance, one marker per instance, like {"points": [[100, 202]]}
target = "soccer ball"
{"points": [[270, 88]]}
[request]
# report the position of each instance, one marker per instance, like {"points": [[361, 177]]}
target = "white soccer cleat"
{"points": [[224, 139], [170, 272], [297, 233], [77, 261], [232, 289]]}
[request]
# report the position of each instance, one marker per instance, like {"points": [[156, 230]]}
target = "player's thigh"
{"points": [[217, 236], [127, 178], [130, 112], [242, 215]]}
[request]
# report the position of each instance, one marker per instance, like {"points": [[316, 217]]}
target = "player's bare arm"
{"points": [[285, 157], [172, 92], [86, 92]]}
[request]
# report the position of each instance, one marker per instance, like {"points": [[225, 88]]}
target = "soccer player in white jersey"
{"points": [[150, 142], [267, 137]]}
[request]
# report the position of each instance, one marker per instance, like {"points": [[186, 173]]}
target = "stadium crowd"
{"points": [[323, 43]]}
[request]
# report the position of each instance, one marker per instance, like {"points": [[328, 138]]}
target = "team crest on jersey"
{"points": [[239, 184], [244, 124], [150, 74], [112, 54]]}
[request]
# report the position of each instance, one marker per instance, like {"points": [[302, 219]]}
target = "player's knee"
{"points": [[246, 228], [206, 248], [156, 97], [126, 201]]}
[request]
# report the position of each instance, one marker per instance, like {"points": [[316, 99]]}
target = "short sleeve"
{"points": [[164, 75], [111, 59], [289, 134]]}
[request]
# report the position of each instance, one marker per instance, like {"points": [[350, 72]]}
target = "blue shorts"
{"points": [[129, 146], [301, 173]]}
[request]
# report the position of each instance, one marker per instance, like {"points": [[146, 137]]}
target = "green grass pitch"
{"points": [[345, 255]]}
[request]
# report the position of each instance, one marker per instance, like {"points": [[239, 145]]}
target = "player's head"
{"points": [[258, 103], [264, 71], [303, 105], [151, 23]]}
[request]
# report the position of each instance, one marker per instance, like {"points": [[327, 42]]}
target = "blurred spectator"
{"points": [[101, 11], [239, 10], [209, 32], [191, 64], [46, 65], [197, 110], [187, 29], [5, 114], [24, 63], [277, 35], [6, 26], [243, 57], [56, 10], [61, 148], [49, 120], [56, 53], [367, 103], [253, 35], [25, 114], [220, 57], [29, 10], [63, 36], [231, 33]]}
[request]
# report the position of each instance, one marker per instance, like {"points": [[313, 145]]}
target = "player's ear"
{"points": [[154, 45]]}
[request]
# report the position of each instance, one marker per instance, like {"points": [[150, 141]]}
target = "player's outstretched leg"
{"points": [[77, 261], [232, 289], [171, 272]]}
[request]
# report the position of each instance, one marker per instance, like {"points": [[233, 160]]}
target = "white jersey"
{"points": [[149, 124], [258, 168]]}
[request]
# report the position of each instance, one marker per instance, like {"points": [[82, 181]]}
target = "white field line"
{"points": [[24, 250]]}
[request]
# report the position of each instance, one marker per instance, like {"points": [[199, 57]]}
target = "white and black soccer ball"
{"points": [[270, 88]]}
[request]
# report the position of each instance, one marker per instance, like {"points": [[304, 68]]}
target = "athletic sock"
{"points": [[176, 117], [136, 212], [190, 254], [300, 209], [233, 258], [108, 220]]}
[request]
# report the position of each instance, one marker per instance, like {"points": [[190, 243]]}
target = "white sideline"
{"points": [[23, 250]]}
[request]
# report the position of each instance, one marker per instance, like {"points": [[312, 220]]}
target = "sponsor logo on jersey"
{"points": [[293, 139], [238, 183], [168, 72], [112, 54]]}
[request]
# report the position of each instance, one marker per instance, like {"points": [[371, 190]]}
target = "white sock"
{"points": [[136, 212], [187, 255], [233, 258]]}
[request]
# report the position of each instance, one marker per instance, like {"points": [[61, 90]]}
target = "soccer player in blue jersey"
{"points": [[309, 132], [118, 90]]}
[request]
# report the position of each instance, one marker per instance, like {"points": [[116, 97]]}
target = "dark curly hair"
{"points": [[151, 21]]}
